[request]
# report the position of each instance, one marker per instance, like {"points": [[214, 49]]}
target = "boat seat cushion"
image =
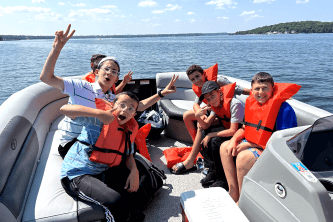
{"points": [[47, 200]]}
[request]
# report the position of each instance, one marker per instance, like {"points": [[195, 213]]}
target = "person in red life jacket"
{"points": [[91, 76], [265, 112], [230, 113], [100, 166], [198, 77], [84, 93]]}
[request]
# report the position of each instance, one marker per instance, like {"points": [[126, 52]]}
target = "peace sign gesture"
{"points": [[61, 38], [170, 88]]}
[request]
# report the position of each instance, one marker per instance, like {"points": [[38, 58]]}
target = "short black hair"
{"points": [[194, 68], [130, 94], [95, 59], [261, 77]]}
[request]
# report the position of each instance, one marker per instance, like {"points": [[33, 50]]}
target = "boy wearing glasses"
{"points": [[92, 173], [84, 93], [91, 76]]}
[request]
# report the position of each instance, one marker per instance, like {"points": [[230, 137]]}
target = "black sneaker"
{"points": [[136, 216], [209, 179], [220, 183]]}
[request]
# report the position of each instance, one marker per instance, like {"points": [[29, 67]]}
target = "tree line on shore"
{"points": [[292, 27]]}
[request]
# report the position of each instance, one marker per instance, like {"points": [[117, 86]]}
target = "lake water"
{"points": [[305, 59]]}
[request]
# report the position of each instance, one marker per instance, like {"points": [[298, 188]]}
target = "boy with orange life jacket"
{"points": [[265, 112], [104, 148], [198, 77], [84, 93], [91, 76], [230, 113]]}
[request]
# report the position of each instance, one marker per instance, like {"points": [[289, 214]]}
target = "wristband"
{"points": [[160, 93]]}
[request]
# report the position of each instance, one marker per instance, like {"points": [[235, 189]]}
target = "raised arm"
{"points": [[47, 76], [73, 111], [127, 78], [170, 88]]}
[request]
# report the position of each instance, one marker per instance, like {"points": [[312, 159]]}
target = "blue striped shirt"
{"points": [[76, 161], [80, 93]]}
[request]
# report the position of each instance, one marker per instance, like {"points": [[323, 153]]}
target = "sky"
{"points": [[122, 17]]}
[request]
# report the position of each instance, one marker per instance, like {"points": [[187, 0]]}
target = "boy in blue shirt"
{"points": [[265, 112], [114, 188]]}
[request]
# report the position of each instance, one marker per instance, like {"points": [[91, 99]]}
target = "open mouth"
{"points": [[121, 117], [107, 79]]}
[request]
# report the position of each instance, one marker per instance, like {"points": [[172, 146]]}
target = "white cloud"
{"points": [[157, 12], [52, 16], [22, 22], [109, 6], [38, 1], [147, 3], [247, 13], [223, 17], [23, 9], [191, 13], [123, 16], [61, 3], [92, 12], [261, 1], [169, 7], [221, 3], [156, 24], [300, 1], [192, 20], [177, 20], [172, 7], [78, 5], [250, 15], [145, 20]]}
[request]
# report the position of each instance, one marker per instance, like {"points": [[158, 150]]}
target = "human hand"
{"points": [[232, 148], [108, 116], [128, 77], [205, 141], [132, 182], [170, 88], [201, 112], [61, 38], [243, 146]]}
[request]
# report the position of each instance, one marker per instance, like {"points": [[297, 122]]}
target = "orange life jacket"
{"points": [[223, 112], [260, 119], [209, 74], [92, 78], [114, 140]]}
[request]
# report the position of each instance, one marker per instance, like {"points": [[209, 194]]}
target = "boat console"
{"points": [[292, 179]]}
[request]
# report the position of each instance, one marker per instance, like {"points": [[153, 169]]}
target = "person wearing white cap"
{"points": [[84, 93]]}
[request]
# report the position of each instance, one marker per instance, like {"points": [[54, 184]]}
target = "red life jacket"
{"points": [[260, 119], [92, 78], [223, 112], [114, 140], [209, 74]]}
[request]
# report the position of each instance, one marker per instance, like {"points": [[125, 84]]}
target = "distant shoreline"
{"points": [[30, 37]]}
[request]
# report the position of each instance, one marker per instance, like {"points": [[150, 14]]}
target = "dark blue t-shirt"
{"points": [[286, 117]]}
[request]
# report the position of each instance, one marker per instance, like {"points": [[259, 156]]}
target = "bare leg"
{"points": [[230, 171], [189, 118], [245, 161], [189, 162]]}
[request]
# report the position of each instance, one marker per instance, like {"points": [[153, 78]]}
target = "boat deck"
{"points": [[166, 203]]}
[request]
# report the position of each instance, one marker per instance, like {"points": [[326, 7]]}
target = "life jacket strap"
{"points": [[95, 148], [258, 126], [224, 118]]}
